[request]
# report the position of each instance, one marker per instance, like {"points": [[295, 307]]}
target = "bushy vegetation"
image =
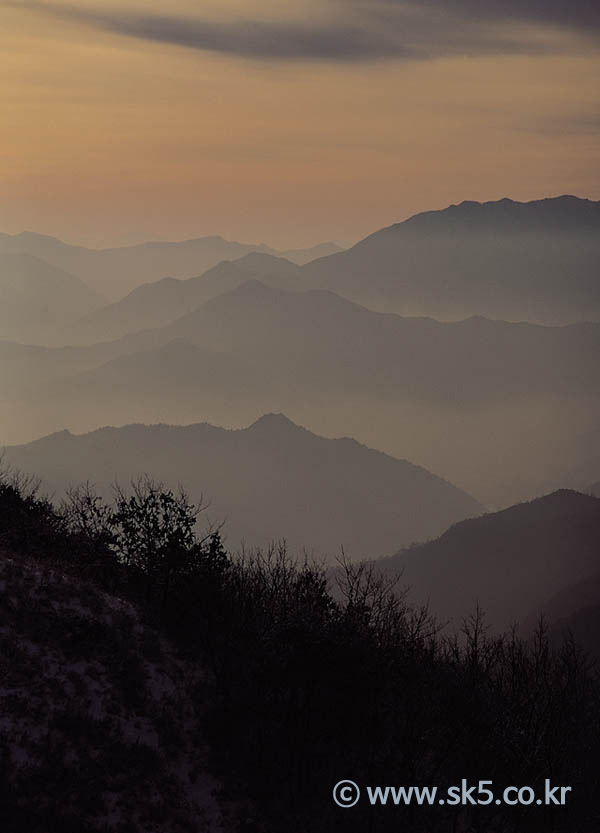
{"points": [[315, 684]]}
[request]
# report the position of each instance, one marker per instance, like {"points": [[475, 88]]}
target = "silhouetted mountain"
{"points": [[116, 271], [177, 677], [330, 343], [505, 410], [302, 256], [575, 611], [536, 261], [512, 562], [175, 378], [271, 480], [33, 368], [157, 304], [320, 340], [36, 298]]}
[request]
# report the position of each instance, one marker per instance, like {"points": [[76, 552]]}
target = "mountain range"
{"points": [[505, 410], [530, 559], [269, 481], [536, 261], [162, 302], [328, 342], [115, 271], [37, 298]]}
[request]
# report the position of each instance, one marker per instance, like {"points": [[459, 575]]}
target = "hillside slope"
{"points": [[331, 343], [576, 611], [116, 271], [535, 261], [507, 411], [99, 727], [271, 480], [161, 302], [512, 562], [37, 299]]}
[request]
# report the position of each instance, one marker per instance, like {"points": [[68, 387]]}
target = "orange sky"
{"points": [[110, 136]]}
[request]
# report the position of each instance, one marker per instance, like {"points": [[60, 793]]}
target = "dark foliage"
{"points": [[315, 686]]}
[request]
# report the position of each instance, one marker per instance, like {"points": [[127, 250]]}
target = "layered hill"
{"points": [[505, 410], [116, 271], [321, 339], [534, 261], [271, 480], [537, 261], [38, 299], [326, 339], [512, 563], [162, 302]]}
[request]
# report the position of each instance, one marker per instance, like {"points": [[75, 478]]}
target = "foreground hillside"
{"points": [[576, 610], [101, 727], [513, 563], [271, 480], [104, 726]]}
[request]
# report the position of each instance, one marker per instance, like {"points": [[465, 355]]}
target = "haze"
{"points": [[287, 124]]}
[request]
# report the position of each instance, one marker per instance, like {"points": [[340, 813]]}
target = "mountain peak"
{"points": [[253, 288], [563, 212], [274, 422], [263, 259]]}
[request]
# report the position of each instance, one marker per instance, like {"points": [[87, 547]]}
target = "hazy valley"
{"points": [[389, 455]]}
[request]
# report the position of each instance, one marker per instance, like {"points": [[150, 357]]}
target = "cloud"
{"points": [[578, 124], [359, 30], [574, 14]]}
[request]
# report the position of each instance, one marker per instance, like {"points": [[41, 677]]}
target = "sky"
{"points": [[288, 124]]}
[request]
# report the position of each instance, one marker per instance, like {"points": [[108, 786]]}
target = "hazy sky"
{"points": [[289, 123]]}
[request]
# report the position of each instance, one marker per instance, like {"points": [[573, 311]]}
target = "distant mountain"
{"points": [[322, 341], [512, 562], [594, 489], [271, 480], [34, 368], [159, 303], [327, 342], [116, 271], [507, 411], [302, 256], [537, 261], [174, 380], [36, 298]]}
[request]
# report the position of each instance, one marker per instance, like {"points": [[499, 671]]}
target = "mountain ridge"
{"points": [[512, 562], [272, 478], [502, 259]]}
